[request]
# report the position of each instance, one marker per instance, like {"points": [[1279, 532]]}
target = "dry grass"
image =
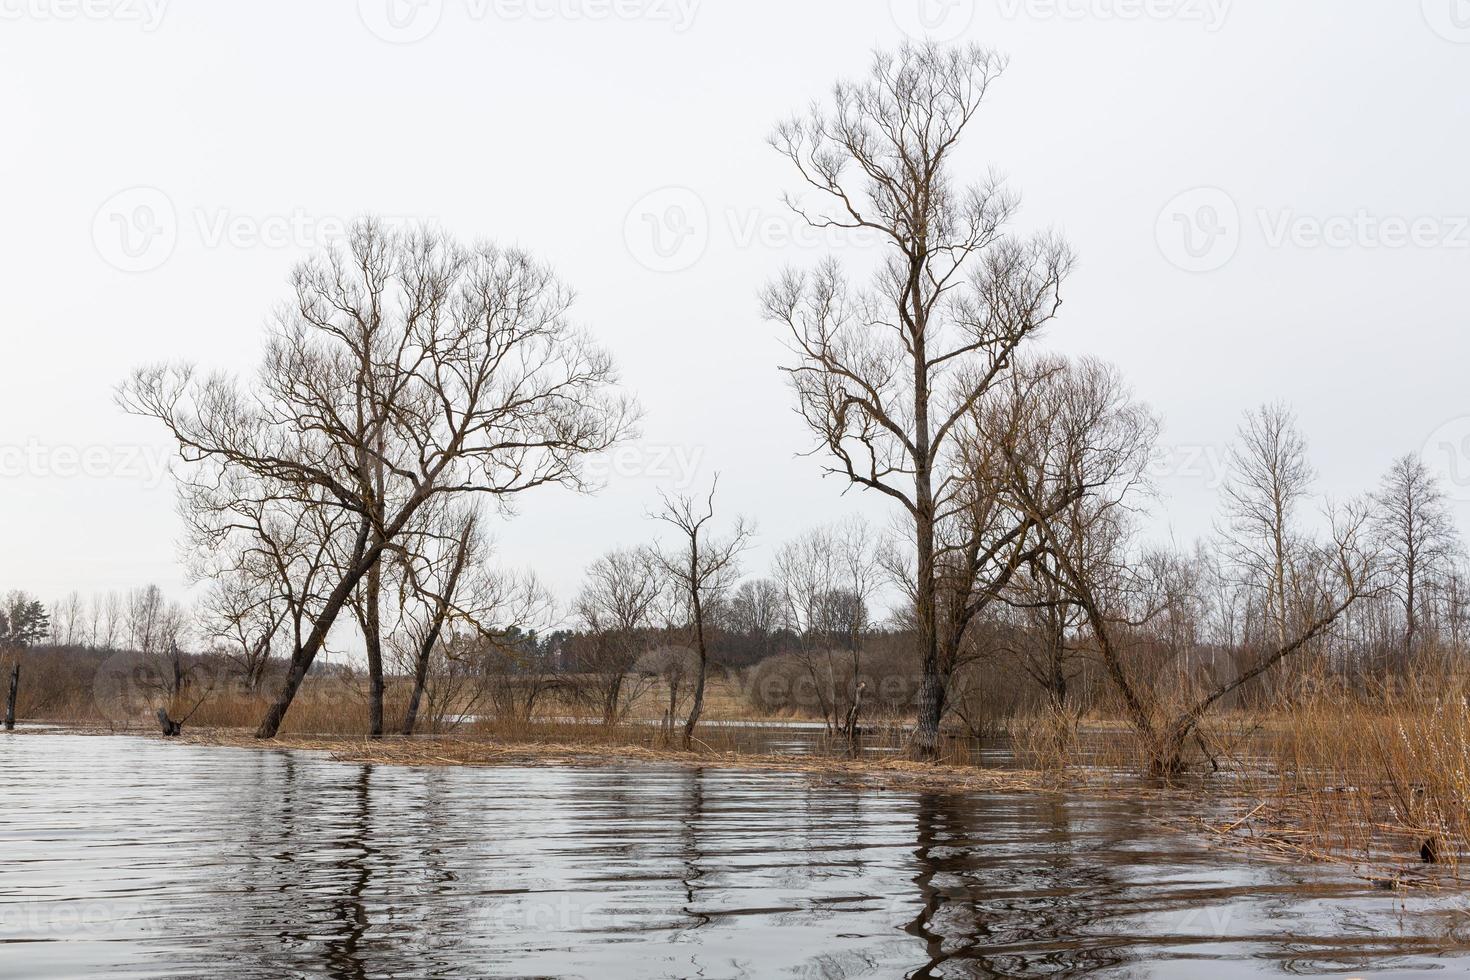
{"points": [[1383, 784], [892, 774]]}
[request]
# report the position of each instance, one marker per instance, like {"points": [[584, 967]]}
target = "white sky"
{"points": [[548, 123]]}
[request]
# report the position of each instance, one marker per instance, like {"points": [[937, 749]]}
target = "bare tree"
{"points": [[271, 557], [700, 567], [437, 574], [827, 578], [1118, 590], [1270, 477], [1414, 527], [756, 611], [113, 619], [407, 368], [616, 609], [244, 612], [146, 610], [67, 620], [885, 375]]}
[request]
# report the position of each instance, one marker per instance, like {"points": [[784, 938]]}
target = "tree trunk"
{"points": [[696, 707], [421, 672], [610, 701], [372, 630], [170, 728], [420, 681], [850, 724], [302, 656], [931, 684], [10, 698], [441, 611]]}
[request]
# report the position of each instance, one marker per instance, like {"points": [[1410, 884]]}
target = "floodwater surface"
{"points": [[129, 857]]}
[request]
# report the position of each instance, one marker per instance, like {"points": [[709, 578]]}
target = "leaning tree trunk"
{"points": [[303, 655], [431, 637], [421, 672]]}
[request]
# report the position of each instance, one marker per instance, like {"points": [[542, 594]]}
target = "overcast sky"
{"points": [[1269, 200]]}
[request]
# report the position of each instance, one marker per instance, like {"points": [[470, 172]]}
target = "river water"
{"points": [[128, 857]]}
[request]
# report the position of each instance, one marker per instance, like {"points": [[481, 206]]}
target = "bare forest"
{"points": [[338, 501]]}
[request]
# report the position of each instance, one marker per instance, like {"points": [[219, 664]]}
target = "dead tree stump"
{"points": [[170, 727]]}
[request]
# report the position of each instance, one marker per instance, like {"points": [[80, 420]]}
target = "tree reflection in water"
{"points": [[243, 863]]}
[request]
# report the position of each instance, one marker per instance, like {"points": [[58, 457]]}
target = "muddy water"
{"points": [[123, 857]]}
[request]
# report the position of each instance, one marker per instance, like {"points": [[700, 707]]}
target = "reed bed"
{"points": [[1382, 784]]}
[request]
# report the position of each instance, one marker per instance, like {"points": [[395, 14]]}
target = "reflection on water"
{"points": [[126, 857]]}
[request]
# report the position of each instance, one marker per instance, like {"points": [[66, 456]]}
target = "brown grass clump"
{"points": [[1380, 782]]}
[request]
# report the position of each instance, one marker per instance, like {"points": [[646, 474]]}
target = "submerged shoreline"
{"points": [[1231, 819], [442, 750], [149, 855]]}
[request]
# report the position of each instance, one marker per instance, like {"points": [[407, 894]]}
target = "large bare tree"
{"points": [[407, 367], [885, 374]]}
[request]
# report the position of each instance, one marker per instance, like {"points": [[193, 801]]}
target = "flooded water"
{"points": [[125, 857]]}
